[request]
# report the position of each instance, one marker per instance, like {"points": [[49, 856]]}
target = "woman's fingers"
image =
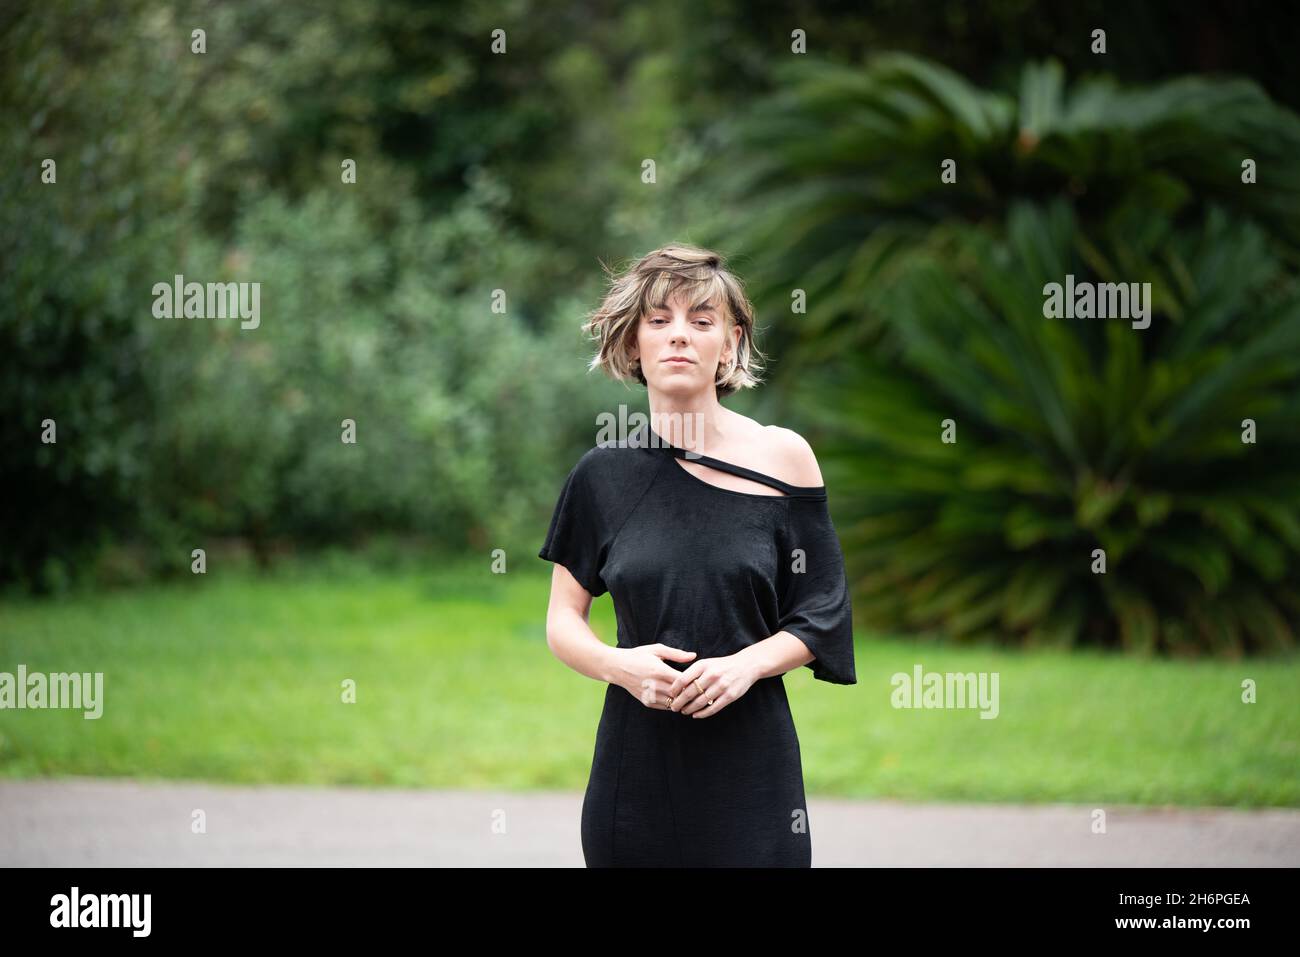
{"points": [[699, 694], [708, 711], [654, 693], [684, 687], [688, 691], [710, 700]]}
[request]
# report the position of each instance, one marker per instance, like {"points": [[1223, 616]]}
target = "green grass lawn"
{"points": [[237, 677]]}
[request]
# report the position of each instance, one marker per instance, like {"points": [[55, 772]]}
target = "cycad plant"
{"points": [[1005, 475]]}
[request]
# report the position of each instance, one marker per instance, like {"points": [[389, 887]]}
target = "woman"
{"points": [[712, 535]]}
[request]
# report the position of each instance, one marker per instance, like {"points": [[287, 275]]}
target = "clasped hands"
{"points": [[701, 691]]}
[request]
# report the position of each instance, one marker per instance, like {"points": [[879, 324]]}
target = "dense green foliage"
{"points": [[519, 173], [377, 297], [1071, 434]]}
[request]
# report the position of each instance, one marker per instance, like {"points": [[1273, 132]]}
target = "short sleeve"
{"points": [[813, 591], [575, 538]]}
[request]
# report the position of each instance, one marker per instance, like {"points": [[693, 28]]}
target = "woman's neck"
{"points": [[697, 427]]}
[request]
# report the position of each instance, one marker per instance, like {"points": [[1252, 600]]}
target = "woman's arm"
{"points": [[776, 655], [642, 672], [568, 633]]}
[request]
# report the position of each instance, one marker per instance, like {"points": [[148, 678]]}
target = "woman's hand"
{"points": [[642, 673], [723, 679]]}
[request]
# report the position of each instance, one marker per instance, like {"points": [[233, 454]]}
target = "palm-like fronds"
{"points": [[837, 175], [925, 304]]}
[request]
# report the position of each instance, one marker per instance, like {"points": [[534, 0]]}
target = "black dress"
{"points": [[710, 570]]}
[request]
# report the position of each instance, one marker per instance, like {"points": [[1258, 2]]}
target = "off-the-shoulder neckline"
{"points": [[659, 444]]}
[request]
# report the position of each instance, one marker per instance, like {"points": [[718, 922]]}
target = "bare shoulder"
{"points": [[795, 458]]}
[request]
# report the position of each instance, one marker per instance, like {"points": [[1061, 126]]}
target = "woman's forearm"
{"points": [[776, 655], [571, 639]]}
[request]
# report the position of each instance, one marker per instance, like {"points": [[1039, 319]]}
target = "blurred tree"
{"points": [[476, 171]]}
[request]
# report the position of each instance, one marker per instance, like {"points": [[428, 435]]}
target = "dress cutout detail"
{"points": [[791, 491]]}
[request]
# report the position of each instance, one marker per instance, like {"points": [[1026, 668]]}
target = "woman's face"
{"points": [[681, 348]]}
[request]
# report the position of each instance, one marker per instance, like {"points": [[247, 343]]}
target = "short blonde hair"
{"points": [[698, 275]]}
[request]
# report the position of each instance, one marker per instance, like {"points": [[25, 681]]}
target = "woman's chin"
{"points": [[684, 379]]}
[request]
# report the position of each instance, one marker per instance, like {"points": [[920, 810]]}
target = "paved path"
{"points": [[96, 822]]}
